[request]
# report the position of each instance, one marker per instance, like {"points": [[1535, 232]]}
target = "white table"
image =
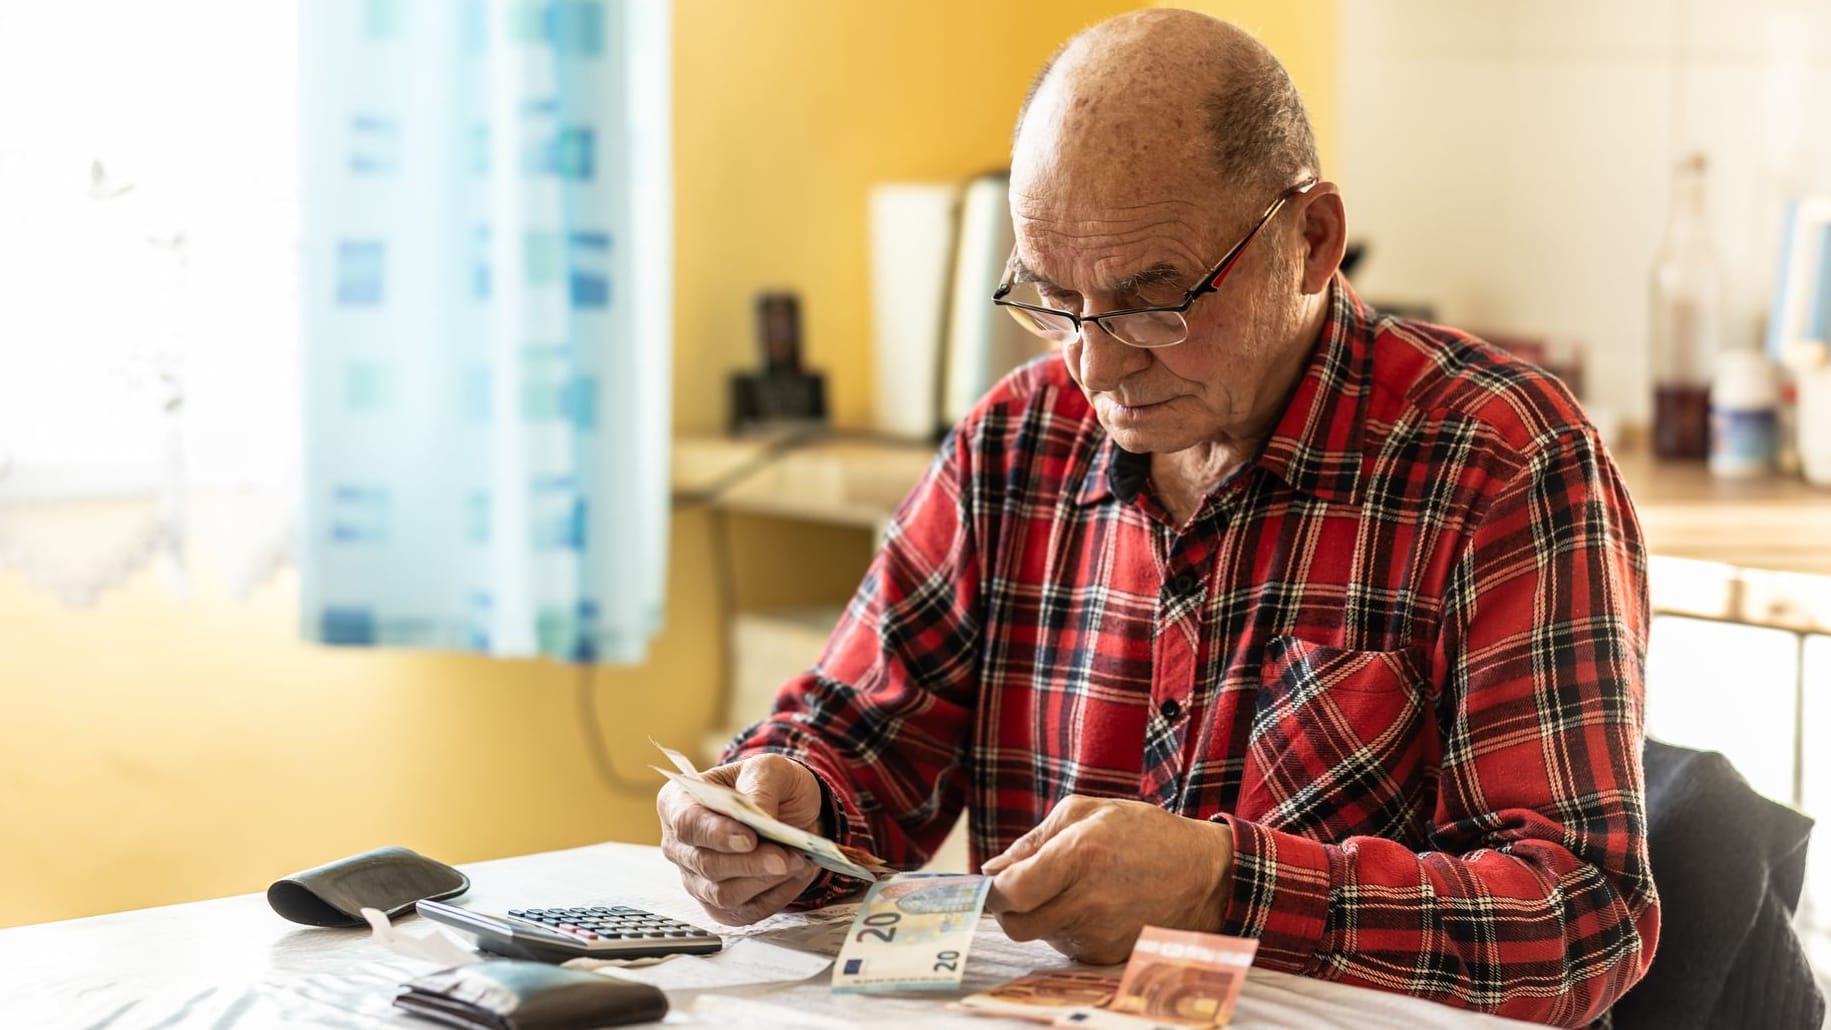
{"points": [[233, 962]]}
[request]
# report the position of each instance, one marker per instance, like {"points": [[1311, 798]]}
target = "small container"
{"points": [[1814, 414], [1685, 325], [1744, 414], [1786, 446]]}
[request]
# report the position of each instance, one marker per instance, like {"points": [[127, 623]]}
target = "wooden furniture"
{"points": [[835, 480], [1750, 551]]}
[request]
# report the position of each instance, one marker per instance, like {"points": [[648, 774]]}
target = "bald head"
{"points": [[1148, 96]]}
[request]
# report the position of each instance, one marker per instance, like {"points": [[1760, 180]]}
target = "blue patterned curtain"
{"points": [[487, 267]]}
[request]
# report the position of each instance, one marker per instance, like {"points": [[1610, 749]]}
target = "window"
{"points": [[148, 270]]}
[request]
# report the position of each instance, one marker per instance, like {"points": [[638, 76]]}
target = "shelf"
{"points": [[840, 481], [1774, 524], [1753, 551]]}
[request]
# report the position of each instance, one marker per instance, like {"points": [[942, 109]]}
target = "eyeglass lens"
{"points": [[1140, 329]]}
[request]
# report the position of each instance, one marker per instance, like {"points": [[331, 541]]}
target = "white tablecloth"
{"points": [[232, 962]]}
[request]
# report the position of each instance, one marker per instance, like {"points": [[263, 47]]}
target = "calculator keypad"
{"points": [[609, 923]]}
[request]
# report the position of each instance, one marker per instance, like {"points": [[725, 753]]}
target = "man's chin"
{"points": [[1141, 439]]}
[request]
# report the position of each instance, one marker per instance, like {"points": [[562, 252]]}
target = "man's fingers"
{"points": [[1066, 813], [1024, 847], [1070, 928], [770, 860], [772, 900], [1020, 849], [754, 778], [745, 900], [696, 825], [1049, 921], [1029, 884]]}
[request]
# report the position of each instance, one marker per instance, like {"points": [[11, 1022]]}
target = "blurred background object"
{"points": [[780, 396], [937, 252], [1685, 326]]}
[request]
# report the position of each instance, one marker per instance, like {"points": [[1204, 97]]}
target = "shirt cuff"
{"points": [[837, 817], [1280, 895]]}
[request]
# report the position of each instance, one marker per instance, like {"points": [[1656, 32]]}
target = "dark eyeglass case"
{"points": [[508, 994], [390, 879]]}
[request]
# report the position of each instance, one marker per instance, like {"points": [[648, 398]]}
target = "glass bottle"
{"points": [[1686, 321]]}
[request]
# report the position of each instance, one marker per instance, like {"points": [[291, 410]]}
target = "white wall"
{"points": [[1511, 163]]}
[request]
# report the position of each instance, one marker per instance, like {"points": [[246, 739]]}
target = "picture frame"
{"points": [[1801, 308]]}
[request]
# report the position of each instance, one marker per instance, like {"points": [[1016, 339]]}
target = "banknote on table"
{"points": [[826, 854], [1174, 979], [912, 933], [1043, 996]]}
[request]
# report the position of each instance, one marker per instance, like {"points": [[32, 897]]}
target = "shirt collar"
{"points": [[1316, 447], [1114, 472]]}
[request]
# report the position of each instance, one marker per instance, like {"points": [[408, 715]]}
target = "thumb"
{"points": [[1066, 812], [1026, 845], [763, 779]]}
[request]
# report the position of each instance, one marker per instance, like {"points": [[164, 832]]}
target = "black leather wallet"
{"points": [[391, 879], [512, 994]]}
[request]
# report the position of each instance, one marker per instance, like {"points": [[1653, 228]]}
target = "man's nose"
{"points": [[1106, 360]]}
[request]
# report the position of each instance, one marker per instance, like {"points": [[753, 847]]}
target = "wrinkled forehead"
{"points": [[1094, 163], [1098, 220]]}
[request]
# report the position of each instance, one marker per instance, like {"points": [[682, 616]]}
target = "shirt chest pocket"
{"points": [[1338, 743]]}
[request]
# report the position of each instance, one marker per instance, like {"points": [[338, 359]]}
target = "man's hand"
{"points": [[737, 876], [1095, 872]]}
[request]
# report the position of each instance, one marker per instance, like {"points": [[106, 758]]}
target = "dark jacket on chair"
{"points": [[1729, 864]]}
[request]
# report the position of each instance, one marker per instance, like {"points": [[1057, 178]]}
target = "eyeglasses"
{"points": [[1152, 326]]}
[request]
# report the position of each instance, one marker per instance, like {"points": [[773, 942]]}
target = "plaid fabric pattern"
{"points": [[1400, 653]]}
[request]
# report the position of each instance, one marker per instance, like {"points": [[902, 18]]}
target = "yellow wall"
{"points": [[787, 114], [154, 751]]}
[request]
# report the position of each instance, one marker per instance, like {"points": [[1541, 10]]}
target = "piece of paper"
{"points": [[821, 930], [434, 946], [742, 963]]}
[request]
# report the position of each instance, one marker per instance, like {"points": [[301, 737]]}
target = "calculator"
{"points": [[582, 931]]}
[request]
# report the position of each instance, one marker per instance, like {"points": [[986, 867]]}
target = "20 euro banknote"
{"points": [[912, 933]]}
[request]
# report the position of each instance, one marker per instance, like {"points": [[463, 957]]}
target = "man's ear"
{"points": [[1325, 236]]}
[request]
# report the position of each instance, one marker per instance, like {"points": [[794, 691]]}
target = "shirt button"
{"points": [[1183, 583], [1170, 709]]}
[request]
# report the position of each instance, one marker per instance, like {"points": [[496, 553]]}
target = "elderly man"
{"points": [[1255, 612]]}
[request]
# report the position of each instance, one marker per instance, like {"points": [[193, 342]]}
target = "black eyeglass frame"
{"points": [[1210, 283]]}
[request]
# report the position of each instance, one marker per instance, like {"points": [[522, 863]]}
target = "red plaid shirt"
{"points": [[1399, 653]]}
